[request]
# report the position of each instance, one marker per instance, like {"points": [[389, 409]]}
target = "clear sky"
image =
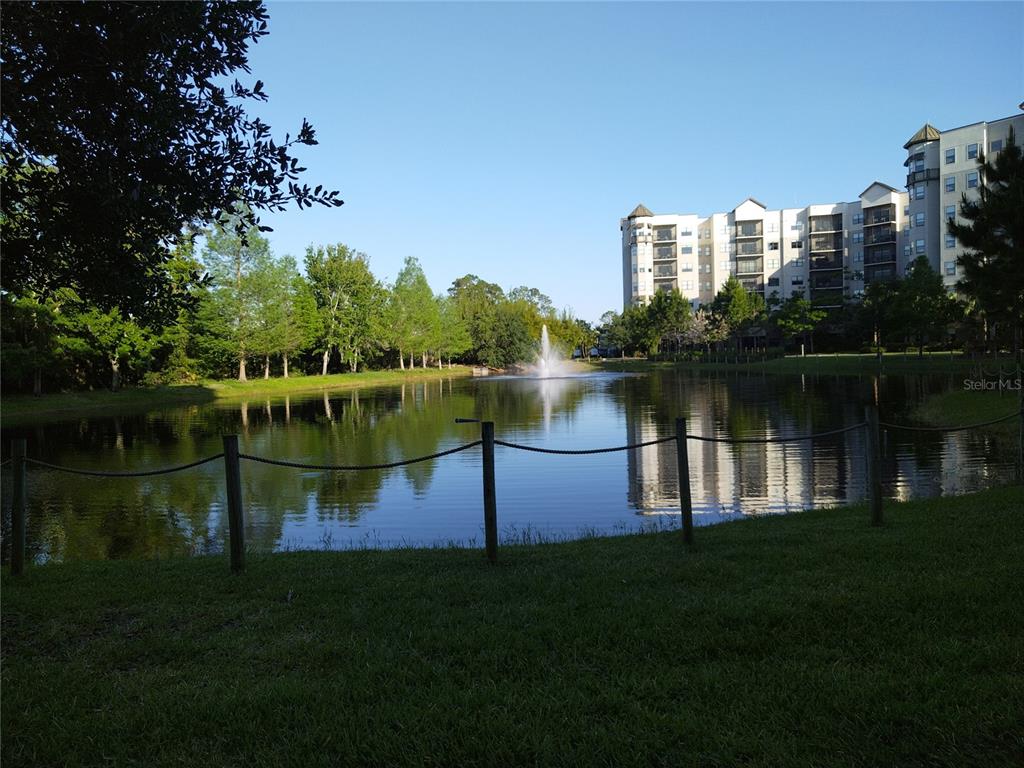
{"points": [[507, 140]]}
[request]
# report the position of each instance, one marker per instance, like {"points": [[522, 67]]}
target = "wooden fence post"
{"points": [[490, 502], [683, 461], [872, 455], [18, 507], [236, 518]]}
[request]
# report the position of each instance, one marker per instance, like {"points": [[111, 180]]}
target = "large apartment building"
{"points": [[824, 252]]}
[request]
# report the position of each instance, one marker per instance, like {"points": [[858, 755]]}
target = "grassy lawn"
{"points": [[806, 640], [938, 362], [25, 409]]}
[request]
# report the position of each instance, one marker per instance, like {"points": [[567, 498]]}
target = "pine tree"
{"points": [[993, 239]]}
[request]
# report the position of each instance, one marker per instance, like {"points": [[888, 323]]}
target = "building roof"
{"points": [[640, 210], [928, 132], [878, 184], [751, 199]]}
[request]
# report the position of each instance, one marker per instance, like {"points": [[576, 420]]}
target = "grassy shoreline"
{"points": [[807, 639], [26, 409], [958, 408], [842, 364]]}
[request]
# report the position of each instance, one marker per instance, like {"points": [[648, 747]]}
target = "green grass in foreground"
{"points": [[26, 409], [823, 364], [806, 640]]}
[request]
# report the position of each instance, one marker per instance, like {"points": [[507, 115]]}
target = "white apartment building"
{"points": [[941, 167], [823, 251]]}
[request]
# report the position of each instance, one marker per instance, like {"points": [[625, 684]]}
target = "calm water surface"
{"points": [[72, 517]]}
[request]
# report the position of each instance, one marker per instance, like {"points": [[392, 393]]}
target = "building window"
{"points": [[797, 281], [972, 179], [686, 249], [687, 285], [858, 238], [798, 226], [951, 183], [858, 218], [919, 191], [773, 281], [972, 151], [919, 219], [950, 267], [997, 145], [797, 262], [950, 211], [797, 244], [773, 263], [919, 247], [858, 257], [724, 264], [906, 251], [686, 233], [687, 266], [723, 247], [906, 210], [773, 226], [950, 156], [918, 164], [773, 246], [950, 241]]}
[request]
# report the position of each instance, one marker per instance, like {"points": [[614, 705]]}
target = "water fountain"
{"points": [[549, 362]]}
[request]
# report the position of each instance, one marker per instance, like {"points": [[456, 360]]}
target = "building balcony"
{"points": [[663, 252], [667, 235], [749, 229], [883, 256], [880, 235], [826, 283], [832, 223], [749, 249], [749, 266], [928, 174], [820, 243], [753, 284], [667, 270], [826, 262], [665, 286]]}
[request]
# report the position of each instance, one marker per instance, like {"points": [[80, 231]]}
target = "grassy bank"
{"points": [[810, 639], [843, 364], [962, 407], [24, 409]]}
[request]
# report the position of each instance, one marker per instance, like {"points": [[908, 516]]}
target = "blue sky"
{"points": [[506, 140]]}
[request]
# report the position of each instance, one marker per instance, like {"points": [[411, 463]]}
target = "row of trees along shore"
{"points": [[243, 307], [916, 310]]}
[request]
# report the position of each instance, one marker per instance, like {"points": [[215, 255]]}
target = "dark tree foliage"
{"points": [[122, 123], [993, 238]]}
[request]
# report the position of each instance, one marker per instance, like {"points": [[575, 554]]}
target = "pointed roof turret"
{"points": [[928, 132], [640, 210]]}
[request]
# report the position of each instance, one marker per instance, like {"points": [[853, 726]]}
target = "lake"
{"points": [[439, 501]]}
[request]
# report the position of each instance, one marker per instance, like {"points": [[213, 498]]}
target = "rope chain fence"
{"points": [[704, 439], [357, 467], [629, 447], [146, 473], [909, 428]]}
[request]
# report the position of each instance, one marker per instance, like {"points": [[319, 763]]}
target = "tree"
{"points": [[454, 337], [118, 131], [920, 303], [738, 307], [475, 301], [993, 239], [301, 322], [796, 316], [348, 300], [506, 338], [539, 301], [668, 316], [236, 266], [416, 315]]}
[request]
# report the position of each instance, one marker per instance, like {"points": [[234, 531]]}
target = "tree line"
{"points": [[244, 312]]}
